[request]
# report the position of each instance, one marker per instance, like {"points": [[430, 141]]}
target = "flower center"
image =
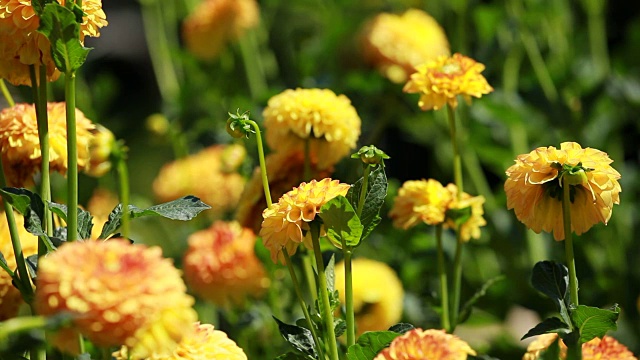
{"points": [[450, 68]]}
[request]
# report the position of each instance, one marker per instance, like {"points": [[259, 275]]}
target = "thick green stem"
{"points": [[444, 287], [123, 179], [457, 162], [347, 251], [327, 313], [574, 351], [303, 306], [263, 166], [568, 241], [72, 154], [252, 65], [6, 93]]}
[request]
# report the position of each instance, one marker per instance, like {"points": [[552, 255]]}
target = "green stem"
{"points": [[327, 313], [442, 274], [568, 241], [574, 351], [263, 166], [21, 324], [457, 162], [72, 154], [348, 294], [303, 306], [6, 93], [123, 179], [363, 190], [307, 267], [457, 279], [252, 65]]}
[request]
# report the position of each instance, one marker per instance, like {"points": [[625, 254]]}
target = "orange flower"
{"points": [[216, 22], [597, 349], [100, 205], [100, 150], [10, 297], [440, 81], [329, 122], [286, 223], [207, 175], [285, 171], [431, 344], [470, 228], [377, 294], [395, 51], [204, 343], [122, 294], [21, 45], [20, 144], [534, 192], [420, 201], [221, 266]]}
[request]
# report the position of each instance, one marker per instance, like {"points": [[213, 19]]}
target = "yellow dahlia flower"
{"points": [[420, 201], [206, 175], [286, 223], [285, 171], [440, 81], [329, 122], [20, 145], [606, 348], [470, 228], [377, 294], [534, 192], [122, 294], [204, 344], [10, 297], [21, 45], [431, 344], [100, 205], [395, 44], [216, 22], [221, 266], [100, 150]]}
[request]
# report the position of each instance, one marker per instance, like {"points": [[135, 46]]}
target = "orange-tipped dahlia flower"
{"points": [[395, 51], [534, 192], [221, 265], [377, 294], [205, 343], [286, 170], [22, 45], [431, 344], [10, 297], [214, 23], [209, 175], [121, 294], [286, 223], [20, 144], [470, 228], [439, 82], [606, 348], [420, 201], [329, 122]]}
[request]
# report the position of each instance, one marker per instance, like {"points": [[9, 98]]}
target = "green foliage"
{"points": [[552, 279], [341, 222], [59, 24], [465, 311], [593, 322], [85, 220], [31, 206], [548, 325], [374, 199], [369, 344], [299, 338]]}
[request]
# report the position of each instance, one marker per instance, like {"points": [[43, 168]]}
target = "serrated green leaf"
{"points": [[330, 273], [31, 206], [185, 208], [401, 328], [85, 219], [465, 312], [594, 322], [339, 326], [374, 199], [298, 337], [4, 265], [341, 222], [549, 325], [552, 279], [32, 265], [370, 344], [59, 25]]}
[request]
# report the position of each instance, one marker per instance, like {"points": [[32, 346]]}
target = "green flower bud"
{"points": [[370, 155]]}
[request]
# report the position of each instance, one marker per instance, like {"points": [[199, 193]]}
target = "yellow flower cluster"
{"points": [[10, 297], [286, 223], [329, 122], [426, 344], [221, 266], [440, 81], [210, 175], [428, 201], [20, 144], [21, 45], [534, 192], [100, 149], [395, 50], [216, 22], [122, 294], [377, 294], [597, 349], [205, 343]]}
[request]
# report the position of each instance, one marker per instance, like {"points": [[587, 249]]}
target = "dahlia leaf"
{"points": [[549, 325], [85, 220], [59, 25], [4, 265], [340, 326], [370, 344], [374, 199], [298, 337], [341, 222], [594, 322], [31, 206], [38, 5], [552, 279], [401, 328], [32, 265]]}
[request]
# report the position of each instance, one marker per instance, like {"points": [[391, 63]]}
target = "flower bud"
{"points": [[370, 155]]}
